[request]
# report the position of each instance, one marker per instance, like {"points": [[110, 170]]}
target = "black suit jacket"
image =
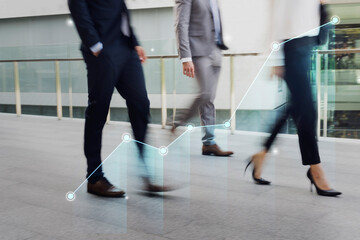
{"points": [[99, 21]]}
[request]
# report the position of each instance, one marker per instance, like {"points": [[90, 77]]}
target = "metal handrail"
{"points": [[335, 51], [338, 51], [43, 60], [81, 59]]}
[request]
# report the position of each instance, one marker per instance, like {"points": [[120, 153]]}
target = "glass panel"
{"points": [[152, 73], [37, 77], [341, 94], [340, 85], [37, 85], [7, 83], [7, 88], [73, 73]]}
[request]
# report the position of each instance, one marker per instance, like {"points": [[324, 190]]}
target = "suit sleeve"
{"points": [[182, 21], [83, 22], [133, 36]]}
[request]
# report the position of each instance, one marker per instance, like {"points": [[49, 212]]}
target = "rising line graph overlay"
{"points": [[70, 196]]}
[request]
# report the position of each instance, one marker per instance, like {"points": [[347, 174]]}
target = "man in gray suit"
{"points": [[199, 38]]}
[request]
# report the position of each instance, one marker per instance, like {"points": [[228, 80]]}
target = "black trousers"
{"points": [[280, 123], [302, 109], [118, 66]]}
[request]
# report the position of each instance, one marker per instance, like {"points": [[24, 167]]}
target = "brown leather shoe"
{"points": [[104, 188], [174, 126], [215, 151]]}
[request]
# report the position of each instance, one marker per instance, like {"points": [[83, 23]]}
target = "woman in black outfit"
{"points": [[297, 55]]}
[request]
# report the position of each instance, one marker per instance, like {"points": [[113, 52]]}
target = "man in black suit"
{"points": [[113, 58]]}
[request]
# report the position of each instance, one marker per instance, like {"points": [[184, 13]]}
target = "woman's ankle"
{"points": [[318, 175]]}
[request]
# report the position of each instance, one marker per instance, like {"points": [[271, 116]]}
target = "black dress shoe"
{"points": [[259, 181], [149, 187], [156, 188], [104, 188], [319, 191]]}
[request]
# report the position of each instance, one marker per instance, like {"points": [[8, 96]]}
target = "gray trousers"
{"points": [[207, 72]]}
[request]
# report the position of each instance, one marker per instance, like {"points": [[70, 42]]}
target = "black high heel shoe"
{"points": [[327, 193], [259, 181]]}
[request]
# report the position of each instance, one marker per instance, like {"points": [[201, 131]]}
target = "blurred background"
{"points": [[42, 73]]}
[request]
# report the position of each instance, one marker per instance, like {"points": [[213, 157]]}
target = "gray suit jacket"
{"points": [[194, 26]]}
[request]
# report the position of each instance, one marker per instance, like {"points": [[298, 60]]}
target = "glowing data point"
{"points": [[275, 151], [126, 137], [70, 196], [275, 46], [190, 127], [163, 151], [70, 22], [126, 197], [335, 20], [227, 124]]}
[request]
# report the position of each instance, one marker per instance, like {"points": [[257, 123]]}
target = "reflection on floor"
{"points": [[41, 159]]}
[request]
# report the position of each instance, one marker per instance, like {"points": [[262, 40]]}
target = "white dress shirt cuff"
{"points": [[97, 47], [189, 59]]}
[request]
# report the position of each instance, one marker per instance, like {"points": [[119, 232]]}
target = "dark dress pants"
{"points": [[302, 109], [118, 66], [280, 123]]}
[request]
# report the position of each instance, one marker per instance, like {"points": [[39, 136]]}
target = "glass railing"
{"points": [[338, 80], [58, 87]]}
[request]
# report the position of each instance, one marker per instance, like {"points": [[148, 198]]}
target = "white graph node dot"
{"points": [[190, 127], [275, 151], [335, 19], [163, 151], [70, 196], [227, 124], [126, 137], [275, 46]]}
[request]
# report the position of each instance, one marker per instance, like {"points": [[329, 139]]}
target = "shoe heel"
{"points": [[327, 193], [259, 181], [250, 161]]}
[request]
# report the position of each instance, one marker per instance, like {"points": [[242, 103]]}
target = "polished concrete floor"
{"points": [[41, 159]]}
